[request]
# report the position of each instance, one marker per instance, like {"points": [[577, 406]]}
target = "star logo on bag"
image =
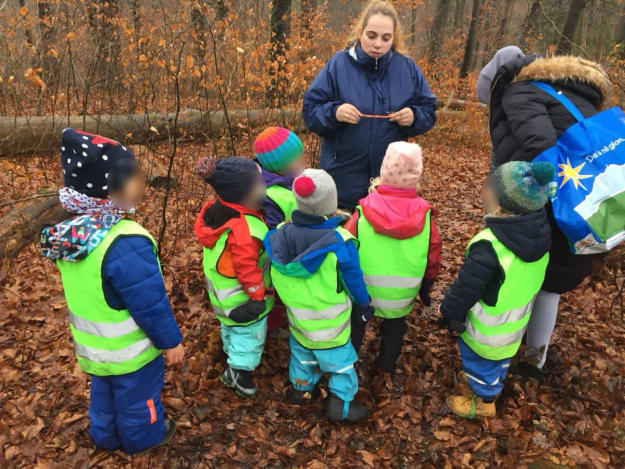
{"points": [[573, 174]]}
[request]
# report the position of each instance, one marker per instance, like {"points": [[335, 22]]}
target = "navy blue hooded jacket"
{"points": [[353, 154]]}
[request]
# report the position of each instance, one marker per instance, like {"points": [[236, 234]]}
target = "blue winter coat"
{"points": [[353, 154]]}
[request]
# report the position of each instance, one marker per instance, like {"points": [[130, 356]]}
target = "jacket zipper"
{"points": [[376, 64]]}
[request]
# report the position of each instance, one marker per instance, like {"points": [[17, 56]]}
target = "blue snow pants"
{"points": [[126, 410], [306, 367], [486, 377], [244, 344]]}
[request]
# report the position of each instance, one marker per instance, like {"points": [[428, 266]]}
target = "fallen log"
{"points": [[42, 134], [22, 225]]}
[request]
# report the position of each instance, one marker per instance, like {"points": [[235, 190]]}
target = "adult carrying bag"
{"points": [[589, 157]]}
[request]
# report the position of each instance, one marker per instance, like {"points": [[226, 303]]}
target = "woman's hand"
{"points": [[348, 113], [405, 117]]}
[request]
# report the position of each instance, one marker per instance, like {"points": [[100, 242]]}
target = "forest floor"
{"points": [[576, 419]]}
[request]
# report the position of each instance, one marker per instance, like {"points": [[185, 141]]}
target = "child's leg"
{"points": [[541, 325], [225, 338], [339, 363], [102, 414], [140, 413], [304, 371], [276, 316], [485, 376], [246, 345], [392, 333], [358, 333]]}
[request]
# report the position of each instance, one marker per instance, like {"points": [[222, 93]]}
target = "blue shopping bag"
{"points": [[589, 204]]}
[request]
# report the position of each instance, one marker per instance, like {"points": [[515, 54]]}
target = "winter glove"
{"points": [[424, 292], [363, 312], [248, 312], [453, 326]]}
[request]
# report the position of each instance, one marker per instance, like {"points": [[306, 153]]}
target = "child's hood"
{"points": [[210, 225], [275, 179], [299, 251], [528, 236], [397, 213]]}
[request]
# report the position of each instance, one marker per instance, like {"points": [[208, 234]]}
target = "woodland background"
{"points": [[183, 79]]}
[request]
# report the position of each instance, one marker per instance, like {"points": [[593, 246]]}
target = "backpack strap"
{"points": [[559, 96]]}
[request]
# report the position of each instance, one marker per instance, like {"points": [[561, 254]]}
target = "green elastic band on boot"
{"points": [[471, 415]]}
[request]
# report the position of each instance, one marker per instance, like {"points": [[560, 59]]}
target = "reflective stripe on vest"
{"points": [[284, 199], [106, 341], [495, 332], [227, 293], [318, 306], [393, 268]]}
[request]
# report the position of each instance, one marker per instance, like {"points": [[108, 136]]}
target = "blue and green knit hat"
{"points": [[276, 148], [523, 187]]}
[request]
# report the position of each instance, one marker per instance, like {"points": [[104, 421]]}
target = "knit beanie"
{"points": [[523, 187], [276, 148], [315, 192], [402, 165], [232, 178], [94, 165]]}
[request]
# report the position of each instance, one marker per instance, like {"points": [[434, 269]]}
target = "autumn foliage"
{"points": [[87, 58]]}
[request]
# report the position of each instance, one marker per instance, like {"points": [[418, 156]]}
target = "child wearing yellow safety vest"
{"points": [[400, 253], [316, 272], [231, 230], [119, 313], [280, 154], [490, 303]]}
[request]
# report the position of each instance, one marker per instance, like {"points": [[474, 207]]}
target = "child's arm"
{"points": [[245, 252], [434, 253], [349, 265], [273, 214], [478, 270], [133, 280]]}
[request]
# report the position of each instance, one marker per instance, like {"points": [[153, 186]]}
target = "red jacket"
{"points": [[400, 214], [240, 257]]}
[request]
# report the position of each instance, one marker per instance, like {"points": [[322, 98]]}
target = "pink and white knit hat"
{"points": [[402, 166]]}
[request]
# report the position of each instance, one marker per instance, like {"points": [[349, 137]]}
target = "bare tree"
{"points": [[565, 42], [459, 15], [620, 34], [529, 23], [505, 22], [308, 12], [469, 50], [438, 28], [47, 33], [103, 17], [221, 12]]}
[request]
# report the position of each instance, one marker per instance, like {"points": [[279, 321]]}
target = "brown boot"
{"points": [[471, 406], [462, 384]]}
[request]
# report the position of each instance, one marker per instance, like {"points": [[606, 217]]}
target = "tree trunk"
{"points": [[505, 23], [438, 28], [565, 43], [308, 13], [200, 28], [469, 50], [529, 24], [620, 35], [459, 16], [103, 16], [280, 32], [222, 11], [47, 32]]}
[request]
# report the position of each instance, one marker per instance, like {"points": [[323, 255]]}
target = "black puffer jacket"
{"points": [[481, 277], [525, 121]]}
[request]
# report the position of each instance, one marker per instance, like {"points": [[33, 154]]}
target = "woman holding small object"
{"points": [[366, 97]]}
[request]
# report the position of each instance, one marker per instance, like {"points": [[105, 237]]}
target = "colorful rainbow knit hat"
{"points": [[276, 148]]}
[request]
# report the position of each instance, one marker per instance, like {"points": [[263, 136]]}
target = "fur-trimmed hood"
{"points": [[568, 68]]}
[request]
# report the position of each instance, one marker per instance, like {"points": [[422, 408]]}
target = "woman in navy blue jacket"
{"points": [[370, 77]]}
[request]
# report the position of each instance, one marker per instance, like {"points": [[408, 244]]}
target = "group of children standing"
{"points": [[274, 240]]}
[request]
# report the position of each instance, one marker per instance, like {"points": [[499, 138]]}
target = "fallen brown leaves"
{"points": [[573, 420]]}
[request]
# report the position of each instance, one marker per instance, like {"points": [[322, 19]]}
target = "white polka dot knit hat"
{"points": [[402, 165], [94, 165]]}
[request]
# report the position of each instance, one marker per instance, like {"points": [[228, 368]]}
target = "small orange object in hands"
{"points": [[174, 356], [404, 117]]}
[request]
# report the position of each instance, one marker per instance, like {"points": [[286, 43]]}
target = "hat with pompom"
{"points": [[315, 193], [523, 187], [402, 166], [276, 148], [232, 178]]}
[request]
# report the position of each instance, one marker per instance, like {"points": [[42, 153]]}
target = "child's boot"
{"points": [[336, 410], [170, 429], [470, 406], [297, 397], [239, 380]]}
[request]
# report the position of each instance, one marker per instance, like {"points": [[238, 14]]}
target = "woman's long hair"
{"points": [[378, 7]]}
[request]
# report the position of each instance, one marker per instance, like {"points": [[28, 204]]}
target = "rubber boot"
{"points": [[170, 429], [239, 380], [471, 406], [336, 410]]}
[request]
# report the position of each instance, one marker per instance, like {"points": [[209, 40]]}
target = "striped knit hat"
{"points": [[276, 148], [523, 187]]}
